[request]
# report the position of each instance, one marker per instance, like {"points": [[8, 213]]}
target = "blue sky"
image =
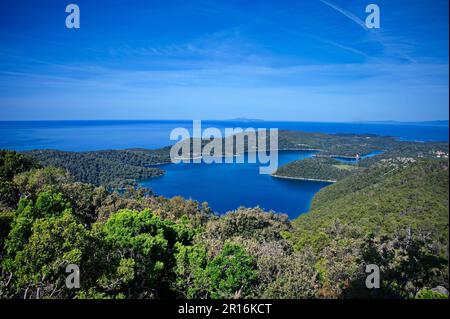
{"points": [[305, 60]]}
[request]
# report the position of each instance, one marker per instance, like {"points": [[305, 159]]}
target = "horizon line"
{"points": [[228, 120]]}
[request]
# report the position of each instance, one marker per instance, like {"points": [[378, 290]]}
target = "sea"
{"points": [[225, 187]]}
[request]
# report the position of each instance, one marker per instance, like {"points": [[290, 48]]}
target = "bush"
{"points": [[230, 274]]}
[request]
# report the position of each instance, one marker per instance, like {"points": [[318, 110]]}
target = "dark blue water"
{"points": [[354, 160], [227, 186], [224, 186], [96, 135]]}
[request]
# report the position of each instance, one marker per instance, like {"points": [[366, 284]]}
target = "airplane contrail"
{"points": [[346, 13]]}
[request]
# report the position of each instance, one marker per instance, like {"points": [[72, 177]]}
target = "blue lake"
{"points": [[224, 186], [227, 186]]}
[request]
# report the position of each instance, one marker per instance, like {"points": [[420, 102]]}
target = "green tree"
{"points": [[6, 219], [12, 163], [408, 262], [38, 269], [9, 194], [140, 253], [430, 294], [230, 274], [48, 204]]}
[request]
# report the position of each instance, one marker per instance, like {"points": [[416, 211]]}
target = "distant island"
{"points": [[244, 119], [316, 169]]}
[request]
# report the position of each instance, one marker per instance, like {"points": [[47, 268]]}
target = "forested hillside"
{"points": [[114, 169], [394, 214], [132, 244], [326, 169], [335, 144], [321, 167]]}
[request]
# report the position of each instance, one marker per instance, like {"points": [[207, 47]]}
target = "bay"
{"points": [[227, 186]]}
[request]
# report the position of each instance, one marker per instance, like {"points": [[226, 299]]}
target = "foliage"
{"points": [[335, 144], [395, 213], [112, 169], [9, 195], [248, 223], [44, 238], [430, 294], [6, 218], [326, 169], [12, 163], [389, 211], [47, 204], [140, 252], [407, 149], [407, 263], [230, 274]]}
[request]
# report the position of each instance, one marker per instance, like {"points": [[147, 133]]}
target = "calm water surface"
{"points": [[227, 186]]}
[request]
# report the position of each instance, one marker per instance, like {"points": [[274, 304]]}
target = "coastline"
{"points": [[304, 178], [336, 156], [157, 164]]}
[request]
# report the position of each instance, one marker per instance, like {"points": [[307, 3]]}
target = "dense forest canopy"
{"points": [[111, 168], [391, 211], [325, 169], [326, 166]]}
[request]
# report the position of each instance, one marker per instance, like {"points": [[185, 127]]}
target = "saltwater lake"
{"points": [[228, 186], [224, 186]]}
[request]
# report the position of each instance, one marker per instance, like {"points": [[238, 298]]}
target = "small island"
{"points": [[316, 169]]}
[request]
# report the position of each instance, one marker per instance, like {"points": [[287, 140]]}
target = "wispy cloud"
{"points": [[346, 13], [394, 48], [344, 47], [373, 76], [284, 58]]}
